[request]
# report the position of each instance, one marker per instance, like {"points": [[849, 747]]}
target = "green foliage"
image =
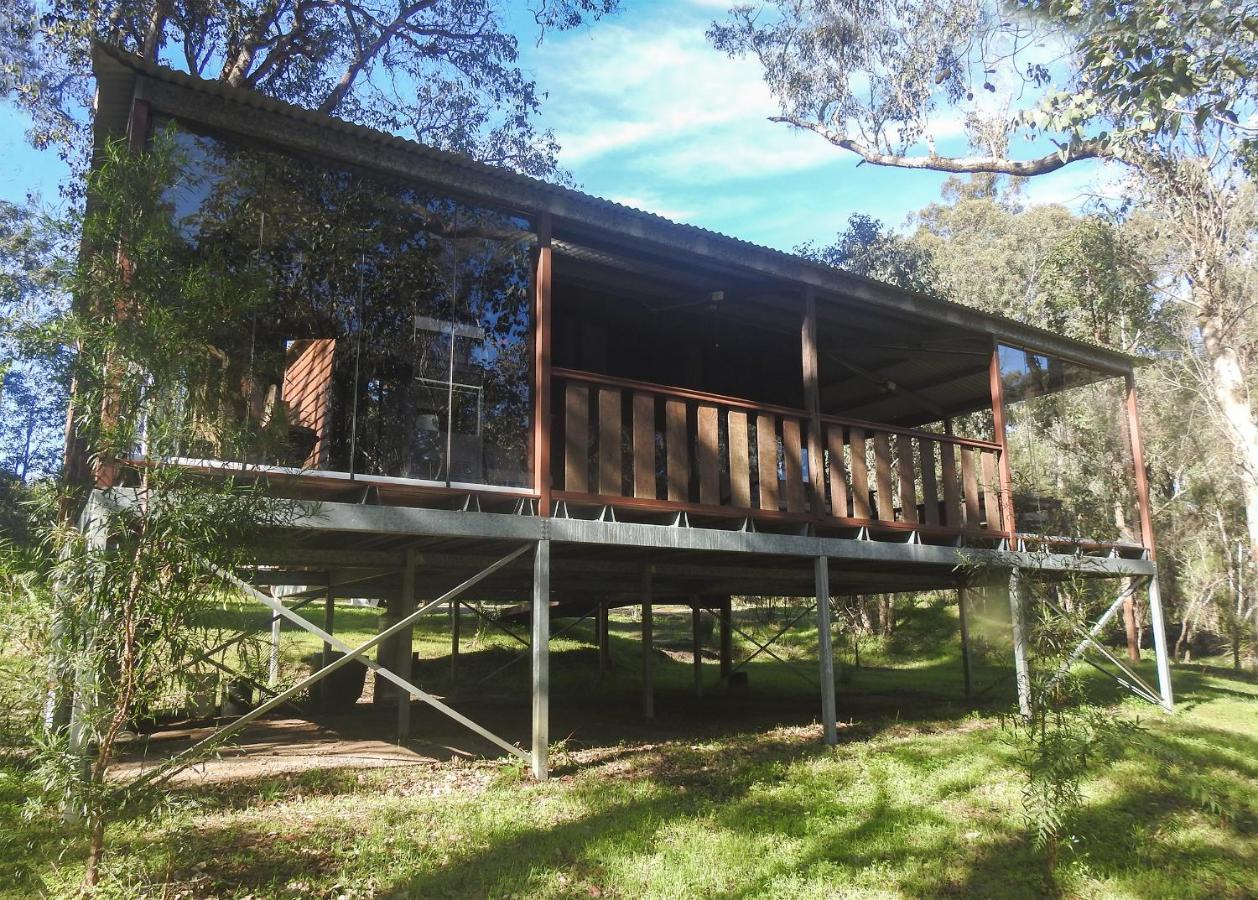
{"points": [[867, 248], [1149, 70], [447, 73], [1067, 735], [117, 586]]}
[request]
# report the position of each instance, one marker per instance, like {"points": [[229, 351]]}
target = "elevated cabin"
{"points": [[458, 360]]}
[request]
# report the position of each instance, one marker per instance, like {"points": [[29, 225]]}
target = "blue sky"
{"points": [[649, 115]]}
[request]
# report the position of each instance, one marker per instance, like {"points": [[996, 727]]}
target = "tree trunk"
{"points": [[1232, 395]]}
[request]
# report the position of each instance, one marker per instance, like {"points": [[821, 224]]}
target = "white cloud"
{"points": [[652, 203], [664, 101], [1077, 184]]}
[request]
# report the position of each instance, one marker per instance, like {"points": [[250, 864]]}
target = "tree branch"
{"points": [[955, 164]]}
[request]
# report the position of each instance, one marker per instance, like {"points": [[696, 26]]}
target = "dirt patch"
{"points": [[277, 746]]}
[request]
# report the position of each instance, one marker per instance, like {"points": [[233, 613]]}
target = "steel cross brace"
{"points": [[521, 654], [1092, 633], [186, 758], [493, 620], [764, 648], [305, 599], [1138, 686]]}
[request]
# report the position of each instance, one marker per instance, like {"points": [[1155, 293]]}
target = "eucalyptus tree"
{"points": [[116, 583], [443, 71], [1168, 90], [866, 247]]}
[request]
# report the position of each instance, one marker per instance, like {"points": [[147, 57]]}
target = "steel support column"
{"points": [[727, 638], [603, 626], [696, 644], [1021, 661], [967, 662], [403, 648], [456, 624], [648, 648], [541, 660], [1160, 647], [829, 723], [273, 663], [329, 621]]}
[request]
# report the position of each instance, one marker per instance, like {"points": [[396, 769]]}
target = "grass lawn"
{"points": [[919, 800]]}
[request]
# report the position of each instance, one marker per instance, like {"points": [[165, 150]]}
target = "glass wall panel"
{"points": [[1069, 449], [392, 336]]}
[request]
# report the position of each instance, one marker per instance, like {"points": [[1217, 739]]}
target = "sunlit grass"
{"points": [[921, 798]]}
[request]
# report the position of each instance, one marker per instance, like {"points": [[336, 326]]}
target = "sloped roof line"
{"points": [[837, 280]]}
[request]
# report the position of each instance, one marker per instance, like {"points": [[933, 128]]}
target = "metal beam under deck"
{"points": [[603, 558]]}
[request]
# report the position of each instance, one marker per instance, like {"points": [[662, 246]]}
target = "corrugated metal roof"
{"points": [[105, 56]]}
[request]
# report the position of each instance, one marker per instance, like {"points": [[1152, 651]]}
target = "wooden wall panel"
{"points": [[676, 447], [611, 454], [882, 477], [838, 472], [860, 475], [930, 484], [307, 391], [793, 468], [644, 446], [907, 469], [767, 461], [739, 460], [709, 453], [576, 470]]}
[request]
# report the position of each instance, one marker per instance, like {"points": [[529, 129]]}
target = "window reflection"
{"points": [[1069, 449], [394, 336]]}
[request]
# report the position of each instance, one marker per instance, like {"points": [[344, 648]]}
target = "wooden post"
{"points": [[403, 648], [812, 402], [1161, 649], [829, 723], [696, 643], [727, 637], [1021, 660], [542, 364], [540, 645], [648, 648], [967, 663], [1009, 525], [1141, 473]]}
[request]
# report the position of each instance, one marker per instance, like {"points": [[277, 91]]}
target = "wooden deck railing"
{"points": [[634, 444]]}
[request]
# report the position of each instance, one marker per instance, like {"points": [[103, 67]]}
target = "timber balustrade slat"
{"points": [[792, 452], [969, 486], [952, 489], [644, 446], [860, 475], [838, 473], [678, 456], [767, 459], [709, 456], [739, 460], [991, 490], [908, 477], [930, 487], [882, 477], [576, 438], [610, 449]]}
